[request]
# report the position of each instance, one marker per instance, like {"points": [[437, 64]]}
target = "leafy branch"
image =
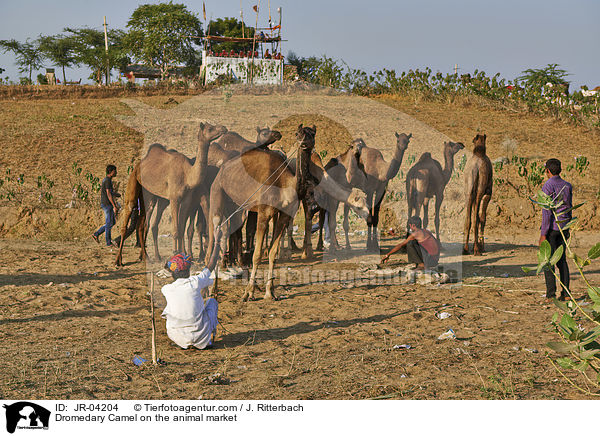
{"points": [[579, 326]]}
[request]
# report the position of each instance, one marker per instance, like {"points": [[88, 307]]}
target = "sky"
{"points": [[505, 37]]}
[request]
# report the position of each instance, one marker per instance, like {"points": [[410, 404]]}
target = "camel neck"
{"points": [[394, 165], [199, 167], [448, 165], [302, 172]]}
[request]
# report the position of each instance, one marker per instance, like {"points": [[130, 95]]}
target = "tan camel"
{"points": [[379, 173], [344, 169], [261, 180], [195, 207], [479, 179], [427, 179], [170, 175], [232, 141]]}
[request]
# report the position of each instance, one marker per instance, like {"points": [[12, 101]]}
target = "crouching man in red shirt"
{"points": [[422, 247]]}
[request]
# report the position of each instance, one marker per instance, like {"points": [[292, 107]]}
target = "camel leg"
{"points": [[160, 208], [475, 219], [278, 230], [426, 212], [438, 204], [125, 222], [467, 228], [307, 249], [141, 235], [369, 219], [376, 220], [333, 242], [482, 217], [347, 226], [321, 224], [261, 227], [250, 230], [201, 223]]}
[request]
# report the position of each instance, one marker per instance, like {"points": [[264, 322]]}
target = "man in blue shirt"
{"points": [[558, 189]]}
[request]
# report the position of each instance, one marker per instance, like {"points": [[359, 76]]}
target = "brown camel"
{"points": [[170, 175], [479, 177], [261, 180], [379, 173], [427, 179], [232, 141]]}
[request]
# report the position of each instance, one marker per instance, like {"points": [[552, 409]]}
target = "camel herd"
{"points": [[232, 181]]}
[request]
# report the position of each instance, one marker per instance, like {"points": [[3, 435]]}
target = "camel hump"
{"points": [[425, 156]]}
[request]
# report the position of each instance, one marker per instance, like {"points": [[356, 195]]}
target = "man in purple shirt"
{"points": [[558, 189]]}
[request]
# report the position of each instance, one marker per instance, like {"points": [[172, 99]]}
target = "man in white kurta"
{"points": [[190, 322]]}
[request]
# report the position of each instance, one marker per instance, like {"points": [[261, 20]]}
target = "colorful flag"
{"points": [[255, 7]]}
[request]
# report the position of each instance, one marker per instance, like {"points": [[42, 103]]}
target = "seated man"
{"points": [[189, 320], [422, 247]]}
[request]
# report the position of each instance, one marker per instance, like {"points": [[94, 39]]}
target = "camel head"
{"points": [[357, 146], [306, 136], [266, 136], [453, 147], [358, 202], [209, 133], [402, 140], [479, 140]]}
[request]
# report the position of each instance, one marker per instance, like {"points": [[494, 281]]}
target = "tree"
{"points": [[162, 35], [29, 56], [233, 28], [90, 50], [60, 50], [539, 77]]}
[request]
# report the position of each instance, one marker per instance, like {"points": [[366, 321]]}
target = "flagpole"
{"points": [[254, 45], [242, 17]]}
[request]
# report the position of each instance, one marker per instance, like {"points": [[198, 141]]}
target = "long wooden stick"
{"points": [[154, 359]]}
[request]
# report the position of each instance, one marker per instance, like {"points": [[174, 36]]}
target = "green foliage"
{"points": [[538, 78], [578, 327], [162, 35], [28, 54], [89, 49], [526, 93], [45, 186], [233, 28], [41, 79], [83, 185], [60, 50], [12, 188]]}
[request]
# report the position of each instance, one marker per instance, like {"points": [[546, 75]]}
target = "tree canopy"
{"points": [[89, 50], [233, 28], [163, 35], [539, 77], [29, 56], [60, 50]]}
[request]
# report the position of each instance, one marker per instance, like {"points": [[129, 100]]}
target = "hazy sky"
{"points": [[506, 37]]}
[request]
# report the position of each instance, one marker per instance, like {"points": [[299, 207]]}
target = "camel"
{"points": [[170, 175], [261, 180], [427, 179], [479, 179], [232, 141], [344, 169], [379, 173]]}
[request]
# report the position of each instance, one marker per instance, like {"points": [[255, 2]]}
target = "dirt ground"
{"points": [[72, 322]]}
